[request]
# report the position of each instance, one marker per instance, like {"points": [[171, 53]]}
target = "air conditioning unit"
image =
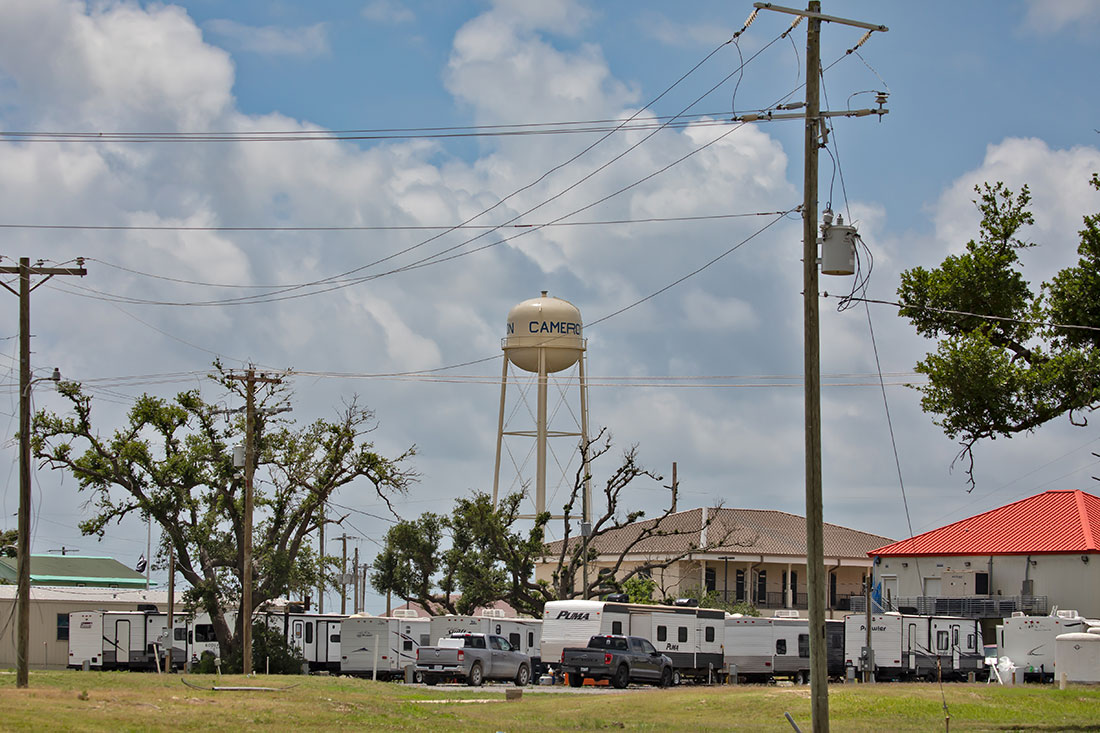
{"points": [[405, 613], [493, 612], [786, 613]]}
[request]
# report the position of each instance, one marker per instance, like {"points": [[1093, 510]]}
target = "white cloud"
{"points": [[1052, 16], [306, 41], [388, 12], [673, 33]]}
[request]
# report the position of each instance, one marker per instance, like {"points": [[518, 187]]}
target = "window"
{"points": [[334, 639], [981, 584], [739, 585], [204, 633], [62, 627], [942, 641], [970, 641], [804, 646], [780, 646], [498, 629], [709, 633], [179, 633], [616, 628], [647, 647], [662, 633], [515, 639], [474, 642], [531, 637], [762, 587], [955, 635], [407, 645], [709, 579], [636, 645], [682, 634], [309, 633], [425, 639]]}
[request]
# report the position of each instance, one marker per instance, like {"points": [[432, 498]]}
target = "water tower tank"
{"points": [[546, 323], [1077, 656]]}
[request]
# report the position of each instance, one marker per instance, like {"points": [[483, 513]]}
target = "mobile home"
{"points": [[1028, 641], [381, 646], [908, 646]]}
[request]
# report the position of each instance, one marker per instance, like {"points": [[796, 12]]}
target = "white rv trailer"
{"points": [[762, 648], [316, 636], [381, 646], [201, 638], [909, 646], [123, 639], [1028, 641], [524, 634], [691, 637]]}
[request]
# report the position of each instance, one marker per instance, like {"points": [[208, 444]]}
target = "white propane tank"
{"points": [[547, 323], [1077, 656]]}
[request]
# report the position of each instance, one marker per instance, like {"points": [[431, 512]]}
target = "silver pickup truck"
{"points": [[473, 658]]}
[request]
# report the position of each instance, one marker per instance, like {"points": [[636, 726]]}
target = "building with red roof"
{"points": [[1029, 556]]}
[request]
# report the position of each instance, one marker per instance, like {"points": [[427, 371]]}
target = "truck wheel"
{"points": [[576, 679], [523, 676], [676, 679], [475, 678], [666, 677], [621, 678]]}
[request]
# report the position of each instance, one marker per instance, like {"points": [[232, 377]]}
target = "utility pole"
{"points": [[815, 552], [23, 543], [355, 588], [250, 380], [171, 604], [343, 539], [321, 557]]}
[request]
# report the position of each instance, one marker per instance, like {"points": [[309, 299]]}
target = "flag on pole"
{"points": [[140, 567]]}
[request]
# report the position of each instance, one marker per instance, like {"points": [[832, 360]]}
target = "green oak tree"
{"points": [[1009, 359], [173, 462]]}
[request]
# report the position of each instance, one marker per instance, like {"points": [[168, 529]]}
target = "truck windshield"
{"points": [[607, 642]]}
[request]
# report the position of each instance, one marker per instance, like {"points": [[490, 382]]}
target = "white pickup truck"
{"points": [[473, 658]]}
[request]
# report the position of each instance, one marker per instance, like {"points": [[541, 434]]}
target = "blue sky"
{"points": [[978, 91]]}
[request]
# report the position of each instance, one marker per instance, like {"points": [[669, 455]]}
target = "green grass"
{"points": [[119, 701]]}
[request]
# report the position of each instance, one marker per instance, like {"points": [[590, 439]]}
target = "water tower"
{"points": [[543, 337]]}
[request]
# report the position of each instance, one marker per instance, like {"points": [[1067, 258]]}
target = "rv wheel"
{"points": [[418, 677]]}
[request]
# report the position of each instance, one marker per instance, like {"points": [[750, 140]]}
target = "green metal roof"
{"points": [[74, 570]]}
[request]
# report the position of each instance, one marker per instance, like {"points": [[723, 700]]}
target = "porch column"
{"points": [[790, 589]]}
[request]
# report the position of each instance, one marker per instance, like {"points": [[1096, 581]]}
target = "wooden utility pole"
{"points": [[321, 557], [23, 543], [816, 578], [250, 380], [171, 605], [343, 539], [355, 588]]}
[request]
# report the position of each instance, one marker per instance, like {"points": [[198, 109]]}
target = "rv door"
{"points": [[122, 642]]}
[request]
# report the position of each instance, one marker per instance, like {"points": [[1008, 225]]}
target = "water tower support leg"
{"points": [[540, 479], [500, 429]]}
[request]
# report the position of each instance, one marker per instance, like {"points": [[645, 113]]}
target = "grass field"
{"points": [[120, 701]]}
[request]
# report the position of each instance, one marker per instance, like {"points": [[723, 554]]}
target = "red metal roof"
{"points": [[1054, 521]]}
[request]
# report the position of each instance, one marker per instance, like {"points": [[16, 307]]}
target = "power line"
{"points": [[986, 317]]}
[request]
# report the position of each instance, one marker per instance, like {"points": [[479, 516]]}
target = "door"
{"points": [[504, 664], [122, 642], [889, 592], [955, 647], [932, 587], [645, 665]]}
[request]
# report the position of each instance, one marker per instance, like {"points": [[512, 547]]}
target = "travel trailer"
{"points": [[1028, 641], [381, 647], [125, 639], [910, 647]]}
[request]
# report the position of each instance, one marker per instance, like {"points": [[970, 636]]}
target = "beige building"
{"points": [[49, 618], [750, 555]]}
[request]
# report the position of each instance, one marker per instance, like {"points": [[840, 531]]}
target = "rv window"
{"points": [[804, 646], [335, 639], [682, 634], [616, 628], [662, 633], [309, 633], [205, 633], [942, 641], [498, 628], [407, 645], [531, 639], [969, 641], [515, 640], [955, 635], [179, 634], [710, 633], [780, 646], [62, 627]]}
